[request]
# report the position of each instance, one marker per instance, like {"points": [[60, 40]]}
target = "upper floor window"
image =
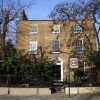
{"points": [[56, 46], [32, 47], [77, 28], [78, 45], [34, 29], [56, 29]]}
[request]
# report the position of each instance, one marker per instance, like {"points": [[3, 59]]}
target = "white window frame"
{"points": [[52, 47], [77, 25], [82, 44], [82, 49], [35, 32], [32, 43], [53, 28]]}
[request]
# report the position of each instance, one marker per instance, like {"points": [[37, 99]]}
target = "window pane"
{"points": [[55, 46], [32, 47], [78, 46], [77, 28], [34, 29], [56, 29]]}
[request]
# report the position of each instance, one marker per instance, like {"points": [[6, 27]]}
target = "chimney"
{"points": [[22, 15]]}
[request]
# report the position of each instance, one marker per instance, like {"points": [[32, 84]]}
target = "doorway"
{"points": [[57, 72]]}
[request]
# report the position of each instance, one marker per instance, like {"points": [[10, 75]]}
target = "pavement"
{"points": [[58, 96]]}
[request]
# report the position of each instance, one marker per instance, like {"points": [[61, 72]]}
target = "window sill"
{"points": [[56, 32], [32, 33], [55, 52]]}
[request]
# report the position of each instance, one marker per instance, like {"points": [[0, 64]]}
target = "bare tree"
{"points": [[9, 11], [79, 10], [92, 10], [82, 9]]}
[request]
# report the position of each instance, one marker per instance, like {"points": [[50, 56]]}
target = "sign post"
{"points": [[73, 64]]}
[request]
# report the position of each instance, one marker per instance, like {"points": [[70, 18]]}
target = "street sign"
{"points": [[73, 63]]}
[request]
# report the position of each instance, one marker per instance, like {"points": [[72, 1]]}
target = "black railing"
{"points": [[21, 81]]}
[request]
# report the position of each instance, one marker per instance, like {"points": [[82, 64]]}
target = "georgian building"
{"points": [[60, 41]]}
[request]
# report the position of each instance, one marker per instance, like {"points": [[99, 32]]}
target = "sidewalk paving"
{"points": [[59, 96]]}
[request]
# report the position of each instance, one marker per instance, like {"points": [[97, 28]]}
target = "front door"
{"points": [[57, 72]]}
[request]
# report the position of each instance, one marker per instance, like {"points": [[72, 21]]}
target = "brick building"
{"points": [[59, 39]]}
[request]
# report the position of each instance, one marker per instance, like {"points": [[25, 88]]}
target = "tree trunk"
{"points": [[5, 29], [97, 31]]}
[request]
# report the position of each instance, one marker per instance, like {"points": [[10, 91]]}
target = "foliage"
{"points": [[81, 10], [80, 77], [95, 59], [66, 10], [44, 66], [9, 13], [36, 71], [9, 64]]}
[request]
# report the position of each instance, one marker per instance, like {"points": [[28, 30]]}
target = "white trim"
{"points": [[82, 40], [52, 47], [56, 52], [58, 28], [77, 32], [82, 43], [32, 43], [84, 66], [34, 25]]}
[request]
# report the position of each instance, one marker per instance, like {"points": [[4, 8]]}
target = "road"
{"points": [[53, 97]]}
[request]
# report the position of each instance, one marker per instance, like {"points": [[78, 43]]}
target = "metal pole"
{"points": [[69, 77], [8, 79], [69, 82], [2, 16]]}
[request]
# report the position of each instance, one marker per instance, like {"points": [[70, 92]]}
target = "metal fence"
{"points": [[21, 81]]}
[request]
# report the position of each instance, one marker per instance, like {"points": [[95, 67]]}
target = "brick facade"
{"points": [[45, 36]]}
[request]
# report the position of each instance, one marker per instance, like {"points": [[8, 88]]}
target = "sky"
{"points": [[42, 8], [39, 9]]}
